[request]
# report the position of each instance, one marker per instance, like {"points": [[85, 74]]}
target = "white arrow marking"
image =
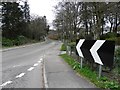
{"points": [[78, 47], [94, 50]]}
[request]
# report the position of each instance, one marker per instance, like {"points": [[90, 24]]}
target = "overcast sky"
{"points": [[43, 8]]}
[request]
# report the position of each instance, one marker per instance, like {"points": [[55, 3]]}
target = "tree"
{"points": [[26, 17], [12, 19], [38, 28], [86, 19], [26, 12]]}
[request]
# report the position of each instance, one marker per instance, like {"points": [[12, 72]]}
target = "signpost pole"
{"points": [[81, 63], [100, 70]]}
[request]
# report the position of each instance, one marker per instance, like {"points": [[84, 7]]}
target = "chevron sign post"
{"points": [[98, 51]]}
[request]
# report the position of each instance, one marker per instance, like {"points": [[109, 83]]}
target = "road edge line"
{"points": [[44, 76]]}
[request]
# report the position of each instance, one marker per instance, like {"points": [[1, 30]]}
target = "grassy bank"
{"points": [[102, 82]]}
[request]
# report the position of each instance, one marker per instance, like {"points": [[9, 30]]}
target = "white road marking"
{"points": [[35, 64], [16, 66], [30, 69], [4, 84], [44, 76], [41, 59], [20, 75]]}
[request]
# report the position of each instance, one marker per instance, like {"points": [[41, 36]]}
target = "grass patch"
{"points": [[102, 82], [63, 47]]}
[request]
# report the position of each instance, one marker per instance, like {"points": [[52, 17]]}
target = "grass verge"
{"points": [[63, 47], [102, 82]]}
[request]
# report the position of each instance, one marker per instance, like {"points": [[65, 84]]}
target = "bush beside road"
{"points": [[16, 42]]}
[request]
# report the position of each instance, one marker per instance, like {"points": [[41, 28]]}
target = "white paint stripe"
{"points": [[16, 66], [39, 61], [4, 84], [35, 64], [20, 75], [44, 76], [30, 69], [94, 50]]}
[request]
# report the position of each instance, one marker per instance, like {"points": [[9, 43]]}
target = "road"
{"points": [[39, 66], [22, 67]]}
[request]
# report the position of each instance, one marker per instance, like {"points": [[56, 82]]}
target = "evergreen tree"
{"points": [[12, 19], [26, 12]]}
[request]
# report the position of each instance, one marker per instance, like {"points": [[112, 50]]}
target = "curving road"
{"points": [[22, 67]]}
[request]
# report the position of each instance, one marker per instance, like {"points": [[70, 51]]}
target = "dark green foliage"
{"points": [[108, 35], [117, 59], [89, 37], [7, 42], [118, 52], [21, 40], [116, 39], [111, 36], [12, 20], [72, 45]]}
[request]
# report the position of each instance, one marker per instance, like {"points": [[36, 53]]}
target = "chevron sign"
{"points": [[99, 51]]}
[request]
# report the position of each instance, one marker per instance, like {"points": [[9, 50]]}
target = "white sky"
{"points": [[43, 8]]}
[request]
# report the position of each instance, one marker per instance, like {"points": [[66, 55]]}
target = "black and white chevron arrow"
{"points": [[99, 51]]}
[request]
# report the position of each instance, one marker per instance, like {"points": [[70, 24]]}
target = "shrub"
{"points": [[116, 39], [117, 59], [108, 35], [20, 40], [72, 45], [118, 52], [7, 42]]}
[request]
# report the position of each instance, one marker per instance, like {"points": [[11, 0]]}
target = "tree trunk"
{"points": [[102, 26], [115, 28], [111, 27]]}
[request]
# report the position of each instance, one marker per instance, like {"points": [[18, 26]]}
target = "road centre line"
{"points": [[4, 84], [36, 64], [30, 69], [20, 75], [41, 59]]}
